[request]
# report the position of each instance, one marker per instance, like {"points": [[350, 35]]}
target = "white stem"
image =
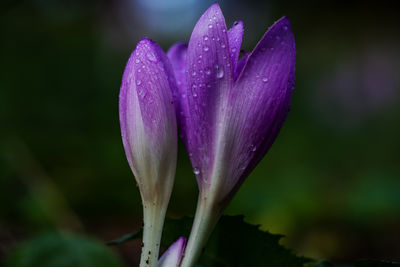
{"points": [[204, 221], [153, 219]]}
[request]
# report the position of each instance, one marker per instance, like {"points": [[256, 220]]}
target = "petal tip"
{"points": [[283, 22], [214, 8]]}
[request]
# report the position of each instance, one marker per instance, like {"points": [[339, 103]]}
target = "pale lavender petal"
{"points": [[209, 79], [235, 36], [147, 115], [177, 57], [240, 64], [173, 256], [259, 102]]}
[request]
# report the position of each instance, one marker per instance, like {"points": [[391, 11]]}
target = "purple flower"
{"points": [[149, 135], [173, 256], [230, 111]]}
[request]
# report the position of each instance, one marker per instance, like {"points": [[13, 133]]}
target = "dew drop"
{"points": [[265, 79], [233, 50], [137, 60], [151, 57], [138, 82], [205, 48], [205, 38], [285, 28], [219, 72], [210, 26], [253, 148], [193, 73], [223, 45], [196, 171], [194, 94], [208, 71]]}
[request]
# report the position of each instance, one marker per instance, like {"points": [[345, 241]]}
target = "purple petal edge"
{"points": [[235, 36], [173, 256]]}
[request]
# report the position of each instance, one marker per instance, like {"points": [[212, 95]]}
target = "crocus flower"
{"points": [[149, 135], [230, 110], [173, 256]]}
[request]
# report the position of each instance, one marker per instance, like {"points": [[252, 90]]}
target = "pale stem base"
{"points": [[153, 219], [205, 219]]}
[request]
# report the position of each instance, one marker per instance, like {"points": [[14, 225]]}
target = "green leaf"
{"points": [[376, 263], [125, 238], [63, 250], [237, 243]]}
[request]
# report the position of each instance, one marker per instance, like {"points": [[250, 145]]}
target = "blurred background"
{"points": [[330, 183]]}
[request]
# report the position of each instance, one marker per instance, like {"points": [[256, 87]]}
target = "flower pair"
{"points": [[228, 111]]}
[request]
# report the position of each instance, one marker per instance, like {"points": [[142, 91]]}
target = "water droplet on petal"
{"points": [[265, 79], [196, 171], [223, 45], [151, 57], [285, 28], [210, 26], [219, 72], [137, 60], [138, 82], [205, 48], [205, 38], [253, 148], [233, 50], [208, 71], [194, 73]]}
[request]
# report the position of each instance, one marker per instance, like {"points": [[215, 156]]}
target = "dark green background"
{"points": [[330, 183]]}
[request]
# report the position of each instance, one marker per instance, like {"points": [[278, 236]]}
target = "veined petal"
{"points": [[173, 256], [240, 65], [209, 79], [147, 115], [235, 36], [177, 57], [259, 102]]}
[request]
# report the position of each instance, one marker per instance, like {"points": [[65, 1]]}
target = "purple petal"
{"points": [[259, 102], [173, 256], [235, 36], [147, 115], [177, 57], [240, 64], [209, 79]]}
